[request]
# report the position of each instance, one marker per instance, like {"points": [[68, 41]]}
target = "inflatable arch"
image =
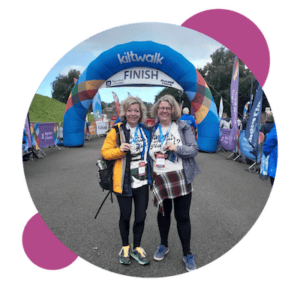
{"points": [[142, 54]]}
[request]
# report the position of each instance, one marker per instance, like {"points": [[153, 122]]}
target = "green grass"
{"points": [[47, 110]]}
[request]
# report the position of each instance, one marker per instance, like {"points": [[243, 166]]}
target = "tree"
{"points": [[175, 93], [217, 75], [63, 84]]}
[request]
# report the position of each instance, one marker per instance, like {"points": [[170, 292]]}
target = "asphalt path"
{"points": [[226, 202]]}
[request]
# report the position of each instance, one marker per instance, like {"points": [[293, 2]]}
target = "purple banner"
{"points": [[46, 135], [228, 136]]}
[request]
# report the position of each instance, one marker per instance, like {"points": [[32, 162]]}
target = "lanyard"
{"points": [[134, 140], [161, 136]]}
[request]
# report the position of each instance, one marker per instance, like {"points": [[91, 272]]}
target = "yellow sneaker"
{"points": [[124, 255], [140, 255]]}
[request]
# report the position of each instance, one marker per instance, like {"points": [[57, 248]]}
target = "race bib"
{"points": [[160, 160], [142, 169]]}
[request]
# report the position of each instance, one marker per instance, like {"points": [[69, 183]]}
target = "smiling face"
{"points": [[164, 112], [133, 114]]}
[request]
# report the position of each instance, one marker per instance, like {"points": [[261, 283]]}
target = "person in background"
{"points": [[225, 122], [172, 157], [270, 147], [240, 125], [245, 121], [188, 118], [131, 174], [268, 125]]}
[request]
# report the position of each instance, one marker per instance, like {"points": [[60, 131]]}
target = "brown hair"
{"points": [[175, 111]]}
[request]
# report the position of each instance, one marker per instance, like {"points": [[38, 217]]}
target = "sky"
{"points": [[194, 46]]}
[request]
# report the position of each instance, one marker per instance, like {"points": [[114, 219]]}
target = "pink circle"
{"points": [[239, 33], [43, 249]]}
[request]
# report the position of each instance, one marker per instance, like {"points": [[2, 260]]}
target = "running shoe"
{"points": [[160, 252], [189, 262], [140, 255], [124, 255]]}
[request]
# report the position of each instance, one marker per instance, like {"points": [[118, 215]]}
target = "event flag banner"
{"points": [[116, 99], [34, 135], [252, 128], [228, 136], [56, 139], [221, 107], [251, 95], [246, 109], [97, 109], [28, 143]]}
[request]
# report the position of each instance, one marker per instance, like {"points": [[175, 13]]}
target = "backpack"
{"points": [[105, 168]]}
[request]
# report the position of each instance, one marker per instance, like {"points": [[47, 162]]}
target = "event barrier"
{"points": [[42, 135], [101, 128]]}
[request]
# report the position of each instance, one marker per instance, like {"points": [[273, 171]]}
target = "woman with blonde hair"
{"points": [[172, 152], [131, 174]]}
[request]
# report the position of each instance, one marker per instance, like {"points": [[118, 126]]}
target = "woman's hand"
{"points": [[125, 147], [170, 147]]}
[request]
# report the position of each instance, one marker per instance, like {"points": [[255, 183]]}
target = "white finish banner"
{"points": [[141, 76]]}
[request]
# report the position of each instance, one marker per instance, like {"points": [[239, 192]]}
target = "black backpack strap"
{"points": [[116, 127]]}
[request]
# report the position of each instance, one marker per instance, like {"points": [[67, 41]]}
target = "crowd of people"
{"points": [[270, 143]]}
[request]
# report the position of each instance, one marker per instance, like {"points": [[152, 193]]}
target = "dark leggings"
{"points": [[182, 215], [140, 198], [272, 180]]}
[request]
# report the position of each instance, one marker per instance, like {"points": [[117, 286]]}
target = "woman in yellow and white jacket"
{"points": [[131, 174]]}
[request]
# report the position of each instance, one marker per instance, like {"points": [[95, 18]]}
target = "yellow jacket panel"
{"points": [[110, 151]]}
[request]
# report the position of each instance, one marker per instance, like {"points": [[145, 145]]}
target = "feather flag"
{"points": [[251, 96], [221, 109], [97, 108], [252, 128], [116, 99], [228, 136], [246, 109]]}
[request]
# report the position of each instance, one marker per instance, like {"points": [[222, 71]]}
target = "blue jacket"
{"points": [[270, 147], [266, 128], [190, 120]]}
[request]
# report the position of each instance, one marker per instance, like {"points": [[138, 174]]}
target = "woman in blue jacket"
{"points": [[270, 147]]}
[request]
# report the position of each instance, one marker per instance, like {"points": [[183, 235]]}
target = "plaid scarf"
{"points": [[169, 185]]}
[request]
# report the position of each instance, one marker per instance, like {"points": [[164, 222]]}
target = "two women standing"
{"points": [[161, 156]]}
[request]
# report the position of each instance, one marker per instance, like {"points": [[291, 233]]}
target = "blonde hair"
{"points": [[175, 108], [129, 101]]}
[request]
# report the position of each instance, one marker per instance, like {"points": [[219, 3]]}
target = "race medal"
{"points": [[171, 156], [160, 160], [142, 169]]}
